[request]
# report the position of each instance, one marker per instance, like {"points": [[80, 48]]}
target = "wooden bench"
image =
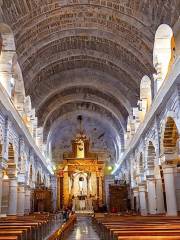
{"points": [[31, 227], [118, 227]]}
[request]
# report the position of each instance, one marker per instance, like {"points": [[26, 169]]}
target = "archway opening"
{"points": [[10, 153], [151, 156], [170, 137]]}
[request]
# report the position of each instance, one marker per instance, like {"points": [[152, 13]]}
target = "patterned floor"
{"points": [[83, 230]]}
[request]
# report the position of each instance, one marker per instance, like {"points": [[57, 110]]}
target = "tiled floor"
{"points": [[83, 230]]}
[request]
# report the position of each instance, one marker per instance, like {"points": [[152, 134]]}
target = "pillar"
{"points": [[20, 200], [100, 191], [159, 196], [12, 209], [12, 206], [66, 188], [135, 206], [5, 197], [54, 192], [142, 198], [1, 180], [169, 174], [27, 205], [151, 189]]}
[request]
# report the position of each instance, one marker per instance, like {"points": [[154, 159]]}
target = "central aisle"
{"points": [[83, 230]]}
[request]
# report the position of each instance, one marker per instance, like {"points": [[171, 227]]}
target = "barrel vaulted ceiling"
{"points": [[86, 57]]}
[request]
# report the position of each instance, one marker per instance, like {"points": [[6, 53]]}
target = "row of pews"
{"points": [[36, 226], [115, 227]]}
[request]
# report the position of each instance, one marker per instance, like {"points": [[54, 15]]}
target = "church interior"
{"points": [[89, 119]]}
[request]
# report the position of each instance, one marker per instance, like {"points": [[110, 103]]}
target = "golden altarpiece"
{"points": [[81, 177]]}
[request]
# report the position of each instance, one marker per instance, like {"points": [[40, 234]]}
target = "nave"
{"points": [[83, 230], [89, 119]]}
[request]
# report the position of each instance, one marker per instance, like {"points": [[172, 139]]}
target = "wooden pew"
{"points": [[117, 227], [31, 227]]}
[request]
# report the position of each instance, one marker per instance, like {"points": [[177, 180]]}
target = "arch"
{"points": [[18, 90], [170, 137], [6, 57], [164, 48], [141, 164], [11, 158], [145, 90], [151, 156]]}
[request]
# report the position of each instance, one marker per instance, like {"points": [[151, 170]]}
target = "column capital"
{"points": [[169, 168], [169, 159], [142, 187], [12, 170]]}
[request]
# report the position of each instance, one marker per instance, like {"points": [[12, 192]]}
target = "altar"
{"points": [[82, 203], [80, 178]]}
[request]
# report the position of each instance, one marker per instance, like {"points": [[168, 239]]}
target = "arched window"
{"points": [[6, 57], [163, 54]]}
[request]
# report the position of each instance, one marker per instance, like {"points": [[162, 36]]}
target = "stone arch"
{"points": [[18, 90], [145, 91], [170, 137], [164, 48], [141, 164], [6, 57], [11, 156], [151, 156]]}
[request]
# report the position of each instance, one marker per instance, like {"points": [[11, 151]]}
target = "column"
{"points": [[135, 206], [12, 209], [151, 189], [5, 196], [142, 198], [169, 172], [159, 196], [20, 200], [1, 180], [27, 205], [66, 189], [54, 192], [100, 192]]}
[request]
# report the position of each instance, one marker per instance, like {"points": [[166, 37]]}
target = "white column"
{"points": [[20, 200], [12, 209], [142, 198], [169, 172], [27, 207], [151, 189], [5, 197], [1, 179], [136, 194], [54, 192], [160, 197]]}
